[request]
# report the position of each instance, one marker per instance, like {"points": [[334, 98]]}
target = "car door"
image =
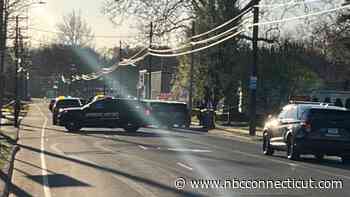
{"points": [[288, 122], [94, 114], [275, 127], [283, 123]]}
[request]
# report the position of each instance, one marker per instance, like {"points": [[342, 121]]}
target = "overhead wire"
{"points": [[222, 25], [286, 4], [154, 52], [194, 43]]}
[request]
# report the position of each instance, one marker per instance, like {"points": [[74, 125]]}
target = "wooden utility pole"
{"points": [[17, 104], [149, 96], [2, 48], [120, 70], [254, 76], [190, 98]]}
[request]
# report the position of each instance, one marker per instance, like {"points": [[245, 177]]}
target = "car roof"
{"points": [[66, 99], [162, 101], [321, 106]]}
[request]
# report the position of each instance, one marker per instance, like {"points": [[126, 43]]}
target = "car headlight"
{"points": [[61, 110]]}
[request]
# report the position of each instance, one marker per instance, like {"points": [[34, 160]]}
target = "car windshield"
{"points": [[168, 107], [68, 103]]}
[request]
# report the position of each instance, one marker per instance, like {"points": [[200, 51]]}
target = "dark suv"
{"points": [[104, 113], [166, 113], [60, 104], [309, 128]]}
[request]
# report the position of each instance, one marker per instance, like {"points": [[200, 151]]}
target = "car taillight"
{"points": [[306, 125]]}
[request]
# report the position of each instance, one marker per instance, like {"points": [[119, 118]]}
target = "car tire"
{"points": [[292, 152], [73, 127], [319, 156], [131, 128], [267, 149]]}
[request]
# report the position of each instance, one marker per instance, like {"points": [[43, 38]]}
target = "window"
{"points": [[98, 105], [283, 113], [292, 113]]}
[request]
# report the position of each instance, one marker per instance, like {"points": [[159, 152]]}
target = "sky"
{"points": [[46, 16]]}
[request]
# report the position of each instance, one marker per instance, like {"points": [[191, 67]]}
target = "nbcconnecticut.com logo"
{"points": [[290, 183]]}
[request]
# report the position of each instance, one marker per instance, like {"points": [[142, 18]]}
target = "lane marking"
{"points": [[184, 166], [100, 146], [292, 165], [143, 147], [44, 173], [189, 150], [135, 186], [57, 150]]}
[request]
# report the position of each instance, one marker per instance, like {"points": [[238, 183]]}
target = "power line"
{"points": [[301, 17], [194, 43], [286, 4], [131, 61], [223, 25], [199, 49]]}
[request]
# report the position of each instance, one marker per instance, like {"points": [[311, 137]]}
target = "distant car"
{"points": [[104, 113], [309, 128], [62, 103], [166, 113]]}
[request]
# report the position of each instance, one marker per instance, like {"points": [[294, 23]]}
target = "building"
{"points": [[160, 82]]}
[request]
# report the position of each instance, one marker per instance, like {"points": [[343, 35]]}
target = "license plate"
{"points": [[333, 131]]}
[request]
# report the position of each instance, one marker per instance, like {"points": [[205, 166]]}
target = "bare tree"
{"points": [[75, 31]]}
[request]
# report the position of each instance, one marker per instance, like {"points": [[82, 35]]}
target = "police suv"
{"points": [[309, 128], [104, 113]]}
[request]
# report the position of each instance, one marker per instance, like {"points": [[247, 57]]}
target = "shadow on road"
{"points": [[13, 188], [324, 162], [59, 180], [116, 172], [120, 133]]}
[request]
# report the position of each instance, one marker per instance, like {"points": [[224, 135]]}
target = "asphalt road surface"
{"points": [[112, 162]]}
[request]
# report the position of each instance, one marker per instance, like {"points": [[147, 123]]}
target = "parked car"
{"points": [[62, 103], [309, 128], [166, 113], [104, 113]]}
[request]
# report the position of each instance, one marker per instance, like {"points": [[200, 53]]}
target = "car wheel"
{"points": [[267, 149], [292, 153], [319, 156], [131, 128], [73, 126]]}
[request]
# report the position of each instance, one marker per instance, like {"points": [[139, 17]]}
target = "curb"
{"points": [[236, 133]]}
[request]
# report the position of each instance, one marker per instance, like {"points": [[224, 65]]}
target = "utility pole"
{"points": [[149, 96], [190, 102], [253, 76], [120, 70], [2, 62], [17, 104]]}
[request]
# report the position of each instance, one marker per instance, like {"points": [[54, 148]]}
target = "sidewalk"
{"points": [[242, 131]]}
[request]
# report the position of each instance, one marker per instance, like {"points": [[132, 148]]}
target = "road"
{"points": [[111, 162]]}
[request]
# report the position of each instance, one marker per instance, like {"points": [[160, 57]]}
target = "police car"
{"points": [[61, 103], [104, 113]]}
